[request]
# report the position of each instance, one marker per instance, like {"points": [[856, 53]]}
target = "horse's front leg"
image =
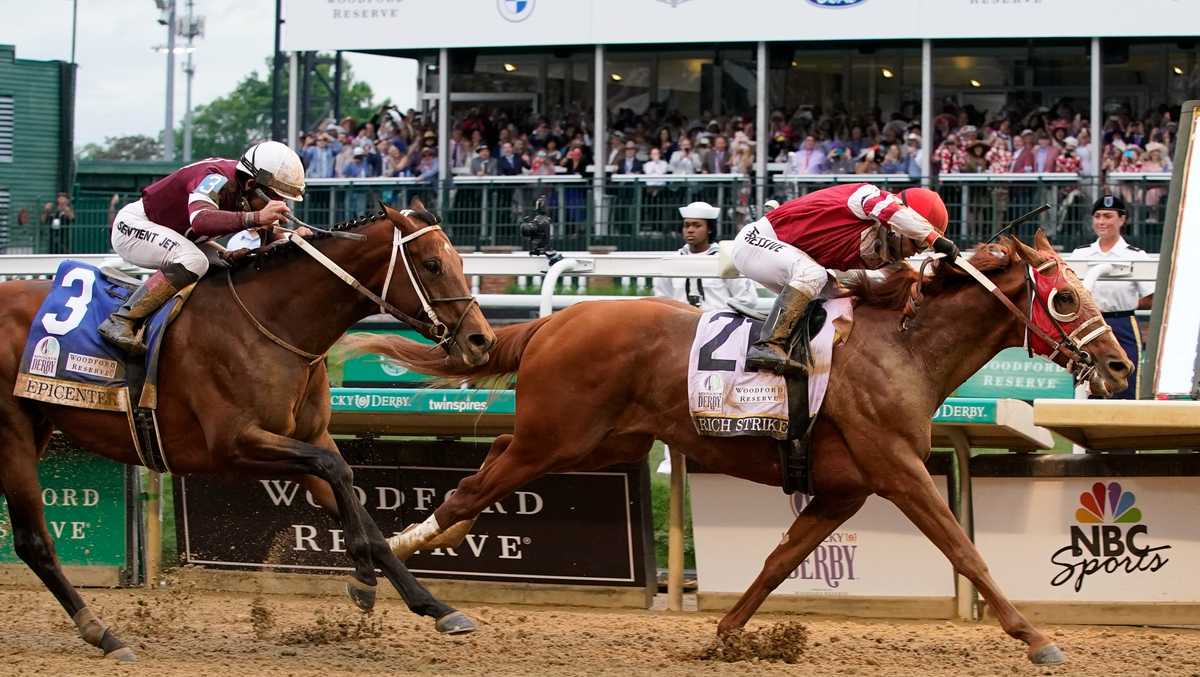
{"points": [[909, 486], [815, 523]]}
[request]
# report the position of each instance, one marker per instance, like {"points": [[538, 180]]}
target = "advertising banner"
{"points": [[585, 528], [876, 553], [1090, 539], [1013, 373], [86, 499], [376, 24]]}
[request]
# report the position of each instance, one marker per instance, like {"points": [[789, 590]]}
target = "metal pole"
{"points": [[169, 123], [1097, 109], [190, 70], [74, 24], [153, 519], [926, 108], [276, 81], [760, 128], [963, 510], [443, 137], [675, 534], [337, 86], [599, 140], [293, 118]]}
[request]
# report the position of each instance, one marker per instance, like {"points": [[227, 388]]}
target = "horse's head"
{"points": [[425, 279], [1065, 310]]}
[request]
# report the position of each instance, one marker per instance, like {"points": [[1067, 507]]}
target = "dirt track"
{"points": [[177, 632]]}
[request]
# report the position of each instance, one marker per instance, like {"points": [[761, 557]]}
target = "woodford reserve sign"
{"points": [[586, 528]]}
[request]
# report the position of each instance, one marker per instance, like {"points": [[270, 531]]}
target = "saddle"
{"points": [[67, 362]]}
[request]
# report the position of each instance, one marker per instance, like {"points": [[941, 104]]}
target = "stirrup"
{"points": [[762, 359]]}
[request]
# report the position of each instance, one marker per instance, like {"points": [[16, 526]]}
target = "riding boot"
{"points": [[122, 327], [771, 352]]}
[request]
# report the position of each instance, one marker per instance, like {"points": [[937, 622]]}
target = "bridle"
{"points": [[442, 333], [1079, 363]]}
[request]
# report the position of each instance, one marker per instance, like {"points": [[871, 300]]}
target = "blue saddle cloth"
{"points": [[67, 362]]}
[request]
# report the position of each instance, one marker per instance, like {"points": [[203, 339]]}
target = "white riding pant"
{"points": [[144, 243], [761, 256]]}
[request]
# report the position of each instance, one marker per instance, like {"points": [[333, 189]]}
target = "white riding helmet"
{"points": [[273, 165]]}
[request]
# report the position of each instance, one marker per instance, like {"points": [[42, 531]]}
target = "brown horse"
{"points": [[598, 382], [233, 401]]}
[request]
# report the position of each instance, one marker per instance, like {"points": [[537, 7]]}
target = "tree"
{"points": [[225, 126], [135, 147]]}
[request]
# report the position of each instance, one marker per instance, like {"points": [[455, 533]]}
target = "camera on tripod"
{"points": [[535, 227]]}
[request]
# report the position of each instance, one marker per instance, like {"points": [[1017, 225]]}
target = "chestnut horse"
{"points": [[599, 381], [243, 388]]}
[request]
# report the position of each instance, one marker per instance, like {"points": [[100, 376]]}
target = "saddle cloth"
{"points": [[727, 401], [67, 362]]}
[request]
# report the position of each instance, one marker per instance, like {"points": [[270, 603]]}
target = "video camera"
{"points": [[535, 227]]}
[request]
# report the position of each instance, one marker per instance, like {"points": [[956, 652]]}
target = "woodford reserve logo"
{"points": [[1109, 538]]}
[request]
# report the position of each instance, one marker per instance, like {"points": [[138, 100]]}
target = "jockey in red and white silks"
{"points": [[852, 226]]}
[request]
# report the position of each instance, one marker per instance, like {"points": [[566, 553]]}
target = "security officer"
{"points": [[699, 230], [1118, 299]]}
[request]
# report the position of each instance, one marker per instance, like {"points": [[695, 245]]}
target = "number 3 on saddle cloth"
{"points": [[725, 400], [67, 362]]}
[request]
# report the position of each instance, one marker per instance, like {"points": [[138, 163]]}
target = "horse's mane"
{"points": [[892, 292], [283, 249]]}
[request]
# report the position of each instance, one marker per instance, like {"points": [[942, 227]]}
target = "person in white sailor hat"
{"points": [[699, 232]]}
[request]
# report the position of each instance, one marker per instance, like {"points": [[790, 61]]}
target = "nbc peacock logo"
{"points": [[1108, 537]]}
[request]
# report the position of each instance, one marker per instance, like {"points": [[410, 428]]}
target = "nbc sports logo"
{"points": [[515, 11], [1108, 537]]}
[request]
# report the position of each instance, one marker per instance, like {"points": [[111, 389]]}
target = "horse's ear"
{"points": [[416, 205], [1041, 242], [1032, 256]]}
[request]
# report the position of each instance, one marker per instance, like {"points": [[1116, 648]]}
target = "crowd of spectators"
{"points": [[495, 142]]}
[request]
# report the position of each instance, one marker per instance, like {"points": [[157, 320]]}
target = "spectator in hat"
{"points": [[357, 167], [319, 158], [976, 162], [913, 155], [1022, 154], [1155, 160], [1118, 299], [629, 164], [950, 157], [483, 164], [1068, 161]]}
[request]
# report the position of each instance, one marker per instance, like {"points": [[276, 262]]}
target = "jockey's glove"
{"points": [[944, 245]]}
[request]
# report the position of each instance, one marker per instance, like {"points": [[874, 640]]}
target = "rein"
{"points": [[1079, 362], [435, 328]]}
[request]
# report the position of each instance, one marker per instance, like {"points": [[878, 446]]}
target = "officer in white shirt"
{"points": [[1118, 299], [699, 232]]}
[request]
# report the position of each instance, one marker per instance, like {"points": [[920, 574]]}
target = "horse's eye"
{"points": [[434, 266]]}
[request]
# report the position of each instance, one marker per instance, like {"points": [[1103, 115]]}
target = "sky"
{"points": [[121, 87]]}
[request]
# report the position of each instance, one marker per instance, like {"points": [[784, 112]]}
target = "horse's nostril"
{"points": [[478, 340], [1118, 367]]}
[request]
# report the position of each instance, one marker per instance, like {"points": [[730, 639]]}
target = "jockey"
{"points": [[201, 201], [853, 226]]}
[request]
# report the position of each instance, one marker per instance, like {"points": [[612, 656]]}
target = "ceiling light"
{"points": [[508, 67], [976, 83], [887, 73], [1177, 70], [617, 77]]}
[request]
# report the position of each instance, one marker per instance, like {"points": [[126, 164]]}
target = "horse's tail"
{"points": [[421, 358]]}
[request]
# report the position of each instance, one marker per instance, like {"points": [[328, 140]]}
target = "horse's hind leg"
{"points": [[913, 491], [20, 445], [815, 523]]}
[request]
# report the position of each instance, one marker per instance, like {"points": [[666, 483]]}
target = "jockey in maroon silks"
{"points": [[204, 200], [854, 226]]}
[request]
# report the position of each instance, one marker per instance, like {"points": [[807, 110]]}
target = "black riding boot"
{"points": [[770, 352], [122, 328]]}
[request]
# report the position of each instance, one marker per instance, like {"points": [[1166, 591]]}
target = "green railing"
{"points": [[640, 213]]}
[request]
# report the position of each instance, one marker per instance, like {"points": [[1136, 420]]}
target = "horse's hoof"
{"points": [[123, 655], [361, 594], [1048, 655], [455, 623]]}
